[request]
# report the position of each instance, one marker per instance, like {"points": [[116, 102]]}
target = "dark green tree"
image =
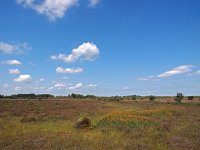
{"points": [[179, 97], [152, 98]]}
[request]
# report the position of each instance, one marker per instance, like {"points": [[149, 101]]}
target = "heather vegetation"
{"points": [[82, 122]]}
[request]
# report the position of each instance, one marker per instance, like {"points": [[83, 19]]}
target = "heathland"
{"points": [[138, 123]]}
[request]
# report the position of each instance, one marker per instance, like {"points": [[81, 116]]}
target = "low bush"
{"points": [[134, 97], [83, 122], [152, 98], [190, 97]]}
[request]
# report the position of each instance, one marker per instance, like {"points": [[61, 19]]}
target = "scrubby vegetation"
{"points": [[134, 97], [152, 98], [1, 96], [191, 97], [83, 122], [125, 124], [178, 98]]}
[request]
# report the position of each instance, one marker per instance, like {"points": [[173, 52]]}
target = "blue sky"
{"points": [[101, 47]]}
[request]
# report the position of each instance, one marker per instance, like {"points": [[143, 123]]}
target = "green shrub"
{"points": [[1, 96], [83, 122], [152, 98], [190, 97], [134, 97]]}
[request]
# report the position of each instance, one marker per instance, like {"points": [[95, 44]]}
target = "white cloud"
{"points": [[126, 88], [24, 78], [198, 72], [93, 3], [13, 62], [143, 78], [6, 48], [14, 71], [50, 88], [77, 86], [9, 48], [178, 70], [149, 78], [53, 9], [68, 70], [87, 51], [59, 85], [92, 85]]}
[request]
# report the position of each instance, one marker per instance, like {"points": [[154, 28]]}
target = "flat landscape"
{"points": [[125, 124], [99, 75]]}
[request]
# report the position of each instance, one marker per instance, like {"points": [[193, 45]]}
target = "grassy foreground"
{"points": [[49, 124]]}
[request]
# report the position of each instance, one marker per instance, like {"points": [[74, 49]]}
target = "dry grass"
{"points": [[49, 124]]}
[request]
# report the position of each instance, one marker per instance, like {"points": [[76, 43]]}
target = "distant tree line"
{"points": [[178, 98], [79, 96], [27, 96], [1, 96]]}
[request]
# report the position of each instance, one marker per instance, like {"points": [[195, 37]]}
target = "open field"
{"points": [[49, 124]]}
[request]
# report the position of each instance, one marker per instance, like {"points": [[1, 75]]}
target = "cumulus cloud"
{"points": [[53, 9], [176, 71], [23, 78], [87, 51], [13, 62], [9, 48], [93, 3], [77, 86], [198, 72], [68, 70], [14, 71]]}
